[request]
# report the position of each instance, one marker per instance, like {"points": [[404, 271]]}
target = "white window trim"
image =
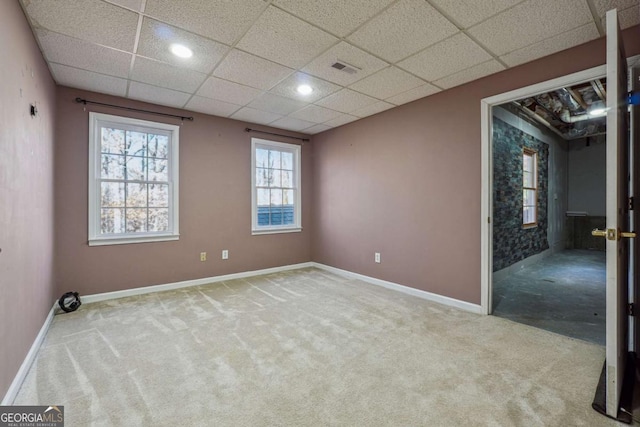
{"points": [[274, 229], [95, 238], [526, 151]]}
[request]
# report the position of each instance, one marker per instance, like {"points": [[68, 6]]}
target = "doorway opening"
{"points": [[510, 108], [549, 188]]}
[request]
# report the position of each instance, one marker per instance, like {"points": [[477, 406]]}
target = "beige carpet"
{"points": [[307, 348]]}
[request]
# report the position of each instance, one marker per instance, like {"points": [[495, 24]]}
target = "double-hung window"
{"points": [[133, 180], [275, 187], [529, 188]]}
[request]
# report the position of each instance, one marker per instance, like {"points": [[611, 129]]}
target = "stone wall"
{"points": [[512, 242]]}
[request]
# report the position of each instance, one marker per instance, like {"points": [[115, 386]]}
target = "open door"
{"points": [[634, 277], [617, 216]]}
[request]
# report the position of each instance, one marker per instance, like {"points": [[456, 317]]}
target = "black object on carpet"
{"points": [[626, 396]]}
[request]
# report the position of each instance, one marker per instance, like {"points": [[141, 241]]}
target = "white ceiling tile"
{"points": [[316, 114], [447, 57], [388, 82], [602, 6], [373, 109], [626, 17], [81, 54], [405, 28], [289, 86], [551, 45], [285, 39], [346, 101], [317, 129], [91, 20], [165, 75], [81, 79], [472, 73], [221, 20], [470, 12], [350, 55], [276, 104], [343, 119], [129, 4], [211, 106], [252, 115], [629, 17], [251, 70], [157, 37], [530, 22], [157, 95], [290, 123], [339, 17], [413, 94], [228, 91]]}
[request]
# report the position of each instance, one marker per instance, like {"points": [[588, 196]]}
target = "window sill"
{"points": [[276, 231], [104, 241], [527, 226]]}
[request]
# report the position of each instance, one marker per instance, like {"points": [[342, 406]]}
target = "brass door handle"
{"points": [[599, 233], [613, 234]]}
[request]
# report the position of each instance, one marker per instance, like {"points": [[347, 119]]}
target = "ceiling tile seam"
{"points": [[494, 15], [340, 39], [121, 6], [135, 47], [231, 47], [383, 10], [596, 18], [79, 39], [88, 71], [466, 33], [546, 39]]}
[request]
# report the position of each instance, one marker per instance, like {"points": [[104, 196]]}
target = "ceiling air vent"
{"points": [[343, 66]]}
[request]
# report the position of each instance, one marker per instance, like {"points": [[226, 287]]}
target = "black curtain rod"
{"points": [[85, 102], [276, 134]]}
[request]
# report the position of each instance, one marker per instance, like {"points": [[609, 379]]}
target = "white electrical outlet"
{"points": [[203, 256], [225, 254], [377, 257]]}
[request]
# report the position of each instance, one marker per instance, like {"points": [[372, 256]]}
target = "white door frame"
{"points": [[486, 196]]}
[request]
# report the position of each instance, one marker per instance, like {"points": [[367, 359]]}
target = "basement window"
{"points": [[529, 188], [275, 187], [133, 180]]}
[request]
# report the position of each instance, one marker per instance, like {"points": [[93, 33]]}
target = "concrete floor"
{"points": [[563, 293]]}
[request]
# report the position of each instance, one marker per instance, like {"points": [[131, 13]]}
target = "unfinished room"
{"points": [[310, 213]]}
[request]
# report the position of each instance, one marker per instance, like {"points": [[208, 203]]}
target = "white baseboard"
{"points": [[452, 302], [188, 283], [11, 394], [514, 268]]}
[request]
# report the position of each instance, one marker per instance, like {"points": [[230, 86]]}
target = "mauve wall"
{"points": [[406, 182], [26, 191], [215, 206]]}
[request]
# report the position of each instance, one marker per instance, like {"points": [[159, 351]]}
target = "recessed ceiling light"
{"points": [[305, 89], [181, 51]]}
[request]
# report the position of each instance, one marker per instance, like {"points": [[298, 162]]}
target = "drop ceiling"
{"points": [[249, 56]]}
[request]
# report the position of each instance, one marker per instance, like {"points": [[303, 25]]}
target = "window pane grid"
{"points": [[275, 187], [135, 162], [529, 187]]}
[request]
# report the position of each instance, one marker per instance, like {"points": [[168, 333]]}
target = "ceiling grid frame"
{"points": [[458, 73]]}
